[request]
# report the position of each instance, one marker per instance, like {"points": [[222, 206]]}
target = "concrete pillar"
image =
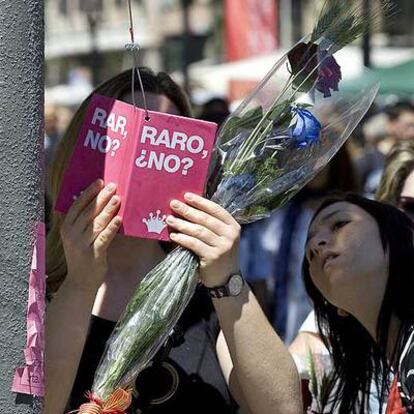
{"points": [[21, 200]]}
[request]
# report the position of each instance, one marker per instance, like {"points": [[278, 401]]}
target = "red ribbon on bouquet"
{"points": [[116, 403]]}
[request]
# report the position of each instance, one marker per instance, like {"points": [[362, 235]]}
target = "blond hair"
{"points": [[398, 166], [116, 87]]}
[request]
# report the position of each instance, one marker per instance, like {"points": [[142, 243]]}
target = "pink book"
{"points": [[151, 160]]}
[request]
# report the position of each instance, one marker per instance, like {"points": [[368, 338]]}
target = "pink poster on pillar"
{"points": [[29, 379], [151, 160]]}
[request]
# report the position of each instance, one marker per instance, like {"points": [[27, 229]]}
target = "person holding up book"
{"points": [[92, 272]]}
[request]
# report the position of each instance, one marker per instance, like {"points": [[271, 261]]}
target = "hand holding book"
{"points": [[151, 159], [211, 233], [87, 231]]}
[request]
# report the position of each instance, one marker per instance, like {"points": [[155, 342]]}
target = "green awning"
{"points": [[397, 80]]}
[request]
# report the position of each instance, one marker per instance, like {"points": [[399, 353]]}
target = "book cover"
{"points": [[151, 160], [101, 149]]}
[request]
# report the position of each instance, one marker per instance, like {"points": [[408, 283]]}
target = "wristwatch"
{"points": [[233, 287]]}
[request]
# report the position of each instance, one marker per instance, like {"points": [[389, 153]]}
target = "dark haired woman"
{"points": [[274, 248], [397, 188], [359, 273]]}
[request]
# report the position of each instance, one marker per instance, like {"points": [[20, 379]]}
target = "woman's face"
{"points": [[347, 262], [406, 200], [155, 102]]}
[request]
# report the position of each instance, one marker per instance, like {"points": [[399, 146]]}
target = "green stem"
{"points": [[250, 139]]}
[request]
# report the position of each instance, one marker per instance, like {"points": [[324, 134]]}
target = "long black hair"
{"points": [[358, 359]]}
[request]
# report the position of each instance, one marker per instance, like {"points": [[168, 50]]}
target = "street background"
{"points": [[219, 50]]}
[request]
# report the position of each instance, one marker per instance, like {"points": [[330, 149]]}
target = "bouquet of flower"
{"points": [[278, 139]]}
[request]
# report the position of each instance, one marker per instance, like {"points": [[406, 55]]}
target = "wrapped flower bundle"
{"points": [[278, 139]]}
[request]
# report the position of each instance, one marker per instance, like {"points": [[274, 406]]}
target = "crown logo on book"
{"points": [[155, 224]]}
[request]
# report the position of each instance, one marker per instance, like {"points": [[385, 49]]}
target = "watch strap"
{"points": [[218, 292], [224, 290]]}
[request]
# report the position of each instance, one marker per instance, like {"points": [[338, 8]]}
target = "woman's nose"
{"points": [[318, 243]]}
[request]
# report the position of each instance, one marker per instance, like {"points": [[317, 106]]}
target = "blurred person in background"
{"points": [[52, 137], [256, 263], [381, 133], [57, 118], [370, 162], [215, 110], [271, 250], [52, 134], [397, 182], [401, 123]]}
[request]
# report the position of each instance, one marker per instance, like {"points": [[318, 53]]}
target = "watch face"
{"points": [[235, 285]]}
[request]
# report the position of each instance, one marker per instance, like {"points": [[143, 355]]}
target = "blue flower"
{"points": [[304, 128], [243, 182], [232, 191]]}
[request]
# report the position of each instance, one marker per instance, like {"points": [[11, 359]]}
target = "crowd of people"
{"points": [[325, 322]]}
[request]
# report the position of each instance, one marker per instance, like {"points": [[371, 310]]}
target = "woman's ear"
{"points": [[343, 313]]}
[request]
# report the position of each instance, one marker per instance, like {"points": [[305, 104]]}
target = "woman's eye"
{"points": [[337, 225]]}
